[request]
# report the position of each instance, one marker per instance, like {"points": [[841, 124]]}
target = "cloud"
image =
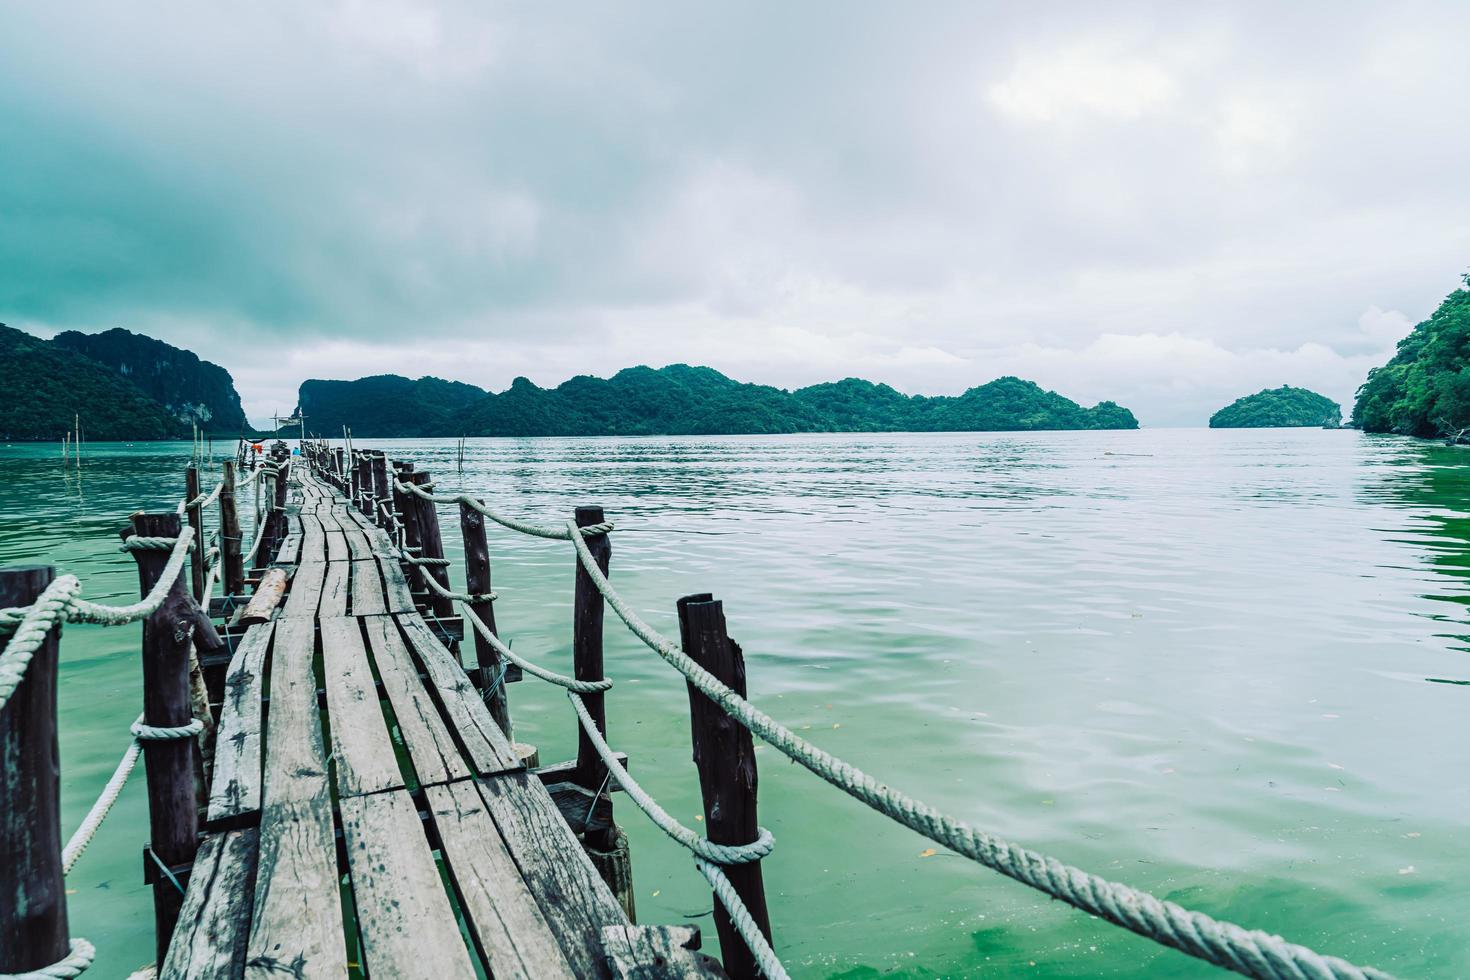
{"points": [[1159, 204]]}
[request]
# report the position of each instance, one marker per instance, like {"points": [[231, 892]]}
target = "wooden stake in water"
{"points": [[33, 928]]}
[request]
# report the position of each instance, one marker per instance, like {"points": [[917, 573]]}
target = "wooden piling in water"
{"points": [[587, 617], [195, 514], [431, 546], [724, 753], [477, 582], [379, 467], [171, 764], [33, 926], [231, 553]]}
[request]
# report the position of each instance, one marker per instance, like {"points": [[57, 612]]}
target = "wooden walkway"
{"points": [[365, 810]]}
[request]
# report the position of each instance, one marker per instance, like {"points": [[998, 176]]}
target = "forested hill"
{"points": [[385, 406], [680, 399], [48, 387], [190, 389], [1278, 408], [1424, 390]]}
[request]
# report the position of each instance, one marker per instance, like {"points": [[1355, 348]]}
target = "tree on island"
{"points": [[1424, 390], [1278, 408]]}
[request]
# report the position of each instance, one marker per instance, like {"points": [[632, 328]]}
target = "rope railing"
{"points": [[1249, 952]]}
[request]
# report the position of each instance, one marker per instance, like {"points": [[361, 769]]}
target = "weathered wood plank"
{"points": [[501, 911], [432, 749], [336, 588], [488, 748], [404, 917], [236, 786], [214, 924], [289, 553], [363, 751], [358, 546], [657, 953], [367, 589], [296, 763], [336, 546], [264, 600], [306, 591], [296, 927], [571, 895], [313, 539], [396, 591]]}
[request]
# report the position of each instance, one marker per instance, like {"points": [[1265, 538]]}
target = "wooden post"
{"points": [[477, 582], [33, 927], [587, 612], [380, 488], [171, 765], [724, 752], [231, 553], [338, 469], [196, 521], [365, 484], [431, 545], [406, 505]]}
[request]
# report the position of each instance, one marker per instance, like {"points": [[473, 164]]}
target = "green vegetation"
{"points": [[1424, 390], [385, 405], [47, 387], [192, 390], [684, 400], [1278, 407]]}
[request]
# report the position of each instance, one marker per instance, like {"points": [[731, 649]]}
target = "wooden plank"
{"points": [[488, 748], [313, 539], [656, 953], [398, 596], [296, 763], [367, 589], [306, 591], [289, 553], [296, 926], [501, 911], [214, 924], [235, 790], [358, 546], [360, 744], [435, 756], [404, 917], [335, 591], [336, 546], [571, 895]]}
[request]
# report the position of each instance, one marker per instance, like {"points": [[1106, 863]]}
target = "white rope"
{"points": [[740, 918], [536, 530], [87, 829], [551, 677], [702, 846]]}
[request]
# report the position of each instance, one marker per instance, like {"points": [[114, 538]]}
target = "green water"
{"points": [[1194, 661]]}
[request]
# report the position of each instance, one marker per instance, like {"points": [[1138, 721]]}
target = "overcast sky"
{"points": [[1168, 205]]}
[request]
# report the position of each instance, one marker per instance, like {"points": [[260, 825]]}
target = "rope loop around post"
{"points": [[154, 733], [74, 964]]}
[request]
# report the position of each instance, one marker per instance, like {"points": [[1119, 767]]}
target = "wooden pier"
{"points": [[308, 781]]}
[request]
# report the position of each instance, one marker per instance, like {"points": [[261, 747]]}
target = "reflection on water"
{"points": [[1191, 660]]}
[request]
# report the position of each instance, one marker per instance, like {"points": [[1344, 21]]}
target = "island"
{"points": [[1424, 389], [682, 399], [1276, 408]]}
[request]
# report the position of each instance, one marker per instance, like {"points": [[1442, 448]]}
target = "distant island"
{"points": [[119, 385], [683, 400], [1424, 390], [1279, 408]]}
